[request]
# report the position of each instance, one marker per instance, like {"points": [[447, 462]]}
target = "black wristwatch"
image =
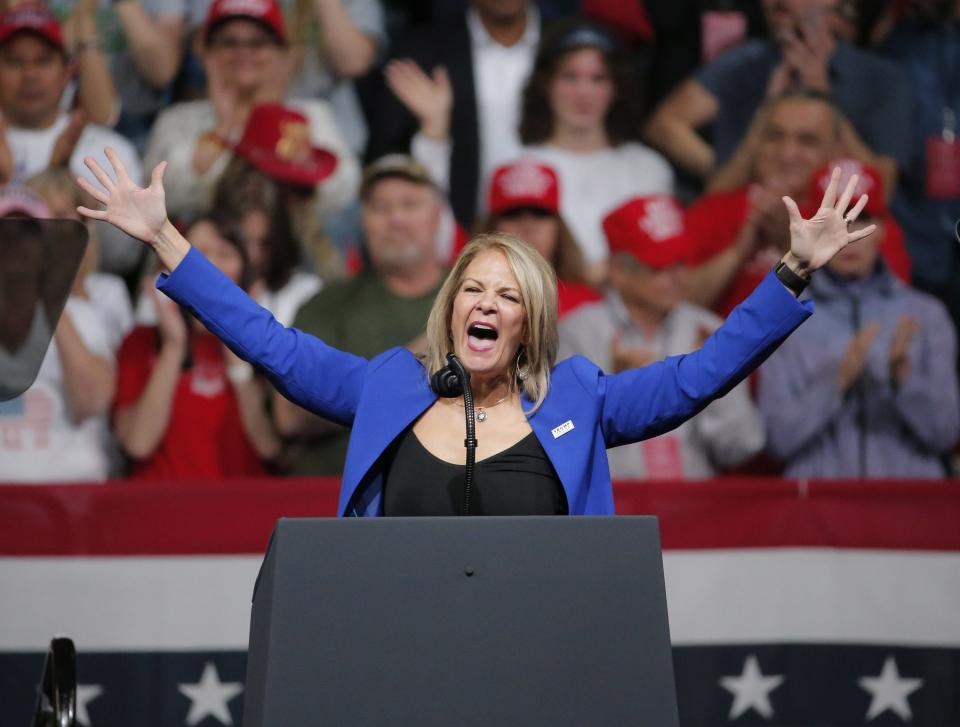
{"points": [[795, 283]]}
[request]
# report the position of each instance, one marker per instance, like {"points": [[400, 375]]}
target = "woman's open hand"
{"points": [[141, 213], [815, 241]]}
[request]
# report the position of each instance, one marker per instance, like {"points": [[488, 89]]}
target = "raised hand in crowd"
{"points": [[428, 97], [155, 42], [348, 49], [854, 360], [807, 52], [907, 327], [96, 90], [66, 142], [629, 357]]}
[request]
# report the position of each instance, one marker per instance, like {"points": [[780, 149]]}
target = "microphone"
{"points": [[446, 382], [450, 382]]}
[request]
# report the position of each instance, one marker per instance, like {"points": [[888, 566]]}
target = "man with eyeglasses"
{"points": [[247, 60]]}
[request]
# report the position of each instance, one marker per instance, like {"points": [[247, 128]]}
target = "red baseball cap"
{"points": [[276, 140], [525, 183], [650, 229], [34, 18], [870, 183], [265, 12]]}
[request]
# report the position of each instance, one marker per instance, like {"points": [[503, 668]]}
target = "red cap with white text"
{"points": [[265, 12], [649, 229], [525, 183], [32, 18]]}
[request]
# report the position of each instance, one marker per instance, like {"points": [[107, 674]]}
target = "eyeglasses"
{"points": [[227, 42], [526, 211]]}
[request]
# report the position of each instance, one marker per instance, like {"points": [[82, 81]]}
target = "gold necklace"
{"points": [[480, 415]]}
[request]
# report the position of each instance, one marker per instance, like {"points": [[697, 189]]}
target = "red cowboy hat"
{"points": [[276, 140]]}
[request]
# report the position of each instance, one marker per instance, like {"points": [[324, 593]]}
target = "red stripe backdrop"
{"points": [[125, 518]]}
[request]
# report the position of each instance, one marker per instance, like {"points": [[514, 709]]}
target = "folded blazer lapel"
{"points": [[396, 392]]}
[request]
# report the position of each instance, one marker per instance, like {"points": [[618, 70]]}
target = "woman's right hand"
{"points": [[139, 212]]}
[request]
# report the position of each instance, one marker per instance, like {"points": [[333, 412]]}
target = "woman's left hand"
{"points": [[815, 241]]}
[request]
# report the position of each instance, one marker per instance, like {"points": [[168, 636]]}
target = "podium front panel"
{"points": [[482, 621]]}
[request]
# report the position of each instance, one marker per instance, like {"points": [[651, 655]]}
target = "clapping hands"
{"points": [[855, 358]]}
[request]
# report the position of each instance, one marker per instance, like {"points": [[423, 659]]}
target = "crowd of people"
{"points": [[332, 157]]}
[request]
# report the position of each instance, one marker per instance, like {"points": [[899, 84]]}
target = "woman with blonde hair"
{"points": [[544, 426]]}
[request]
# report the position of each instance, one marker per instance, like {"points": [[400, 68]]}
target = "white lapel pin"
{"points": [[558, 432]]}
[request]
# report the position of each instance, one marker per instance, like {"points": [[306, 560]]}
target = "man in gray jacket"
{"points": [[644, 318], [868, 386]]}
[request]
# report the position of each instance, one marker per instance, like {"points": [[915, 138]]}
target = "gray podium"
{"points": [[461, 622]]}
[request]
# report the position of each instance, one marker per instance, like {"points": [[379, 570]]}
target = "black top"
{"points": [[517, 481]]}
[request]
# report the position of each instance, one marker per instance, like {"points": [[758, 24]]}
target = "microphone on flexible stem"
{"points": [[451, 381]]}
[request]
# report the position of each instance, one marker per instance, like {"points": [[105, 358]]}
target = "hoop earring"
{"points": [[524, 373]]}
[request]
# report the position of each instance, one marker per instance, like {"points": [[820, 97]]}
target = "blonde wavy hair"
{"points": [[538, 292]]}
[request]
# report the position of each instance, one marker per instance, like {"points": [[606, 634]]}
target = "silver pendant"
{"points": [[481, 415]]}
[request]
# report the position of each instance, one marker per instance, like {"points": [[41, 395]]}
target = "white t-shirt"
{"points": [[31, 149], [285, 303], [39, 441], [499, 74], [593, 184]]}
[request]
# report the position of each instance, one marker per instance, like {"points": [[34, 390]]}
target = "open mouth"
{"points": [[481, 336]]}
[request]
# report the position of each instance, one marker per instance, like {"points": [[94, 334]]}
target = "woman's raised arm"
{"points": [[642, 403], [307, 371]]}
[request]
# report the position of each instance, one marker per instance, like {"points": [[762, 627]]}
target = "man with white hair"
{"points": [[645, 318]]}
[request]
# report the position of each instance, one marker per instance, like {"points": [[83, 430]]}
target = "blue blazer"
{"points": [[584, 412]]}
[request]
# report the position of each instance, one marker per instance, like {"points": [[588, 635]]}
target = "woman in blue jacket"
{"points": [[542, 427]]}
